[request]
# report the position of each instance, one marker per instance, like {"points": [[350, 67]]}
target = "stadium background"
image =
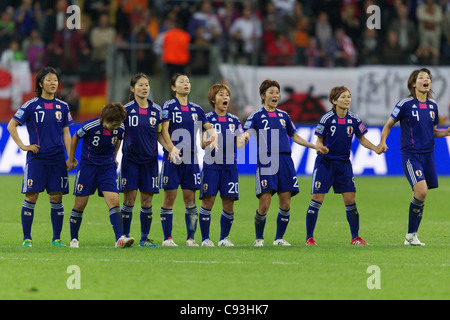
{"points": [[308, 46]]}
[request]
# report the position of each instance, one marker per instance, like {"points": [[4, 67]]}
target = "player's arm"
{"points": [[212, 140], [369, 145], [67, 139], [71, 161], [385, 133], [162, 141], [320, 148], [441, 133], [174, 152], [12, 128], [118, 143]]}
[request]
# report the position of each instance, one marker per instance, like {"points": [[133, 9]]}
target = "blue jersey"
{"points": [[99, 144], [228, 128], [140, 143], [185, 123], [337, 134], [264, 123], [45, 120], [417, 121]]}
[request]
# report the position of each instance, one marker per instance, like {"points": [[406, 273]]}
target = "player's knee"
{"points": [[55, 197], [32, 197]]}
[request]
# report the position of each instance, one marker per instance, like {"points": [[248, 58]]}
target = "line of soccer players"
{"points": [[141, 124]]}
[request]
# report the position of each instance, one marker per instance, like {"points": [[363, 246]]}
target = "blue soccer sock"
{"points": [[205, 222], [115, 216], [57, 218], [353, 219], [226, 220], [415, 215], [282, 222], [146, 216], [27, 215], [75, 223], [260, 223], [311, 218], [191, 217], [166, 222], [127, 216]]}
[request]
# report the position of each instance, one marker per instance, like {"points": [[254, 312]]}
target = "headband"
{"points": [[46, 74], [339, 93]]}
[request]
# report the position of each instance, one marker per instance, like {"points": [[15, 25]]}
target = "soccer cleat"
{"points": [[226, 243], [311, 242], [412, 240], [169, 243], [124, 242], [147, 243], [58, 243], [27, 243], [358, 242], [207, 243], [259, 243], [74, 243], [191, 243], [281, 242]]}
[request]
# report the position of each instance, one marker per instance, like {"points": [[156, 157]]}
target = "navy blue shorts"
{"points": [[214, 180], [51, 177], [90, 178], [279, 177], [144, 177], [420, 166], [185, 175], [338, 174]]}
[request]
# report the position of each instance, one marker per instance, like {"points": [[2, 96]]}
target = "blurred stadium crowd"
{"points": [[315, 33]]}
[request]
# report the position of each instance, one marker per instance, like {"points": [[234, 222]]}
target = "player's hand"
{"points": [[33, 148], [382, 148], [322, 150], [174, 155], [71, 164], [209, 141]]}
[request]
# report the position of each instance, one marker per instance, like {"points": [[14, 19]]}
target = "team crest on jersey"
{"points": [[80, 187], [283, 122], [58, 115], [30, 182], [113, 140], [195, 117], [419, 173], [205, 187], [124, 182], [165, 179], [152, 121], [432, 115], [232, 127], [317, 184], [264, 183], [349, 130]]}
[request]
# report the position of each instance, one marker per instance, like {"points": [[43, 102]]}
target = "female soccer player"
{"points": [[275, 169], [98, 169], [139, 167], [419, 117], [335, 130], [220, 167], [182, 120], [48, 120]]}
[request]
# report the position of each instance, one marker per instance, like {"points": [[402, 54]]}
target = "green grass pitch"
{"points": [[332, 270]]}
